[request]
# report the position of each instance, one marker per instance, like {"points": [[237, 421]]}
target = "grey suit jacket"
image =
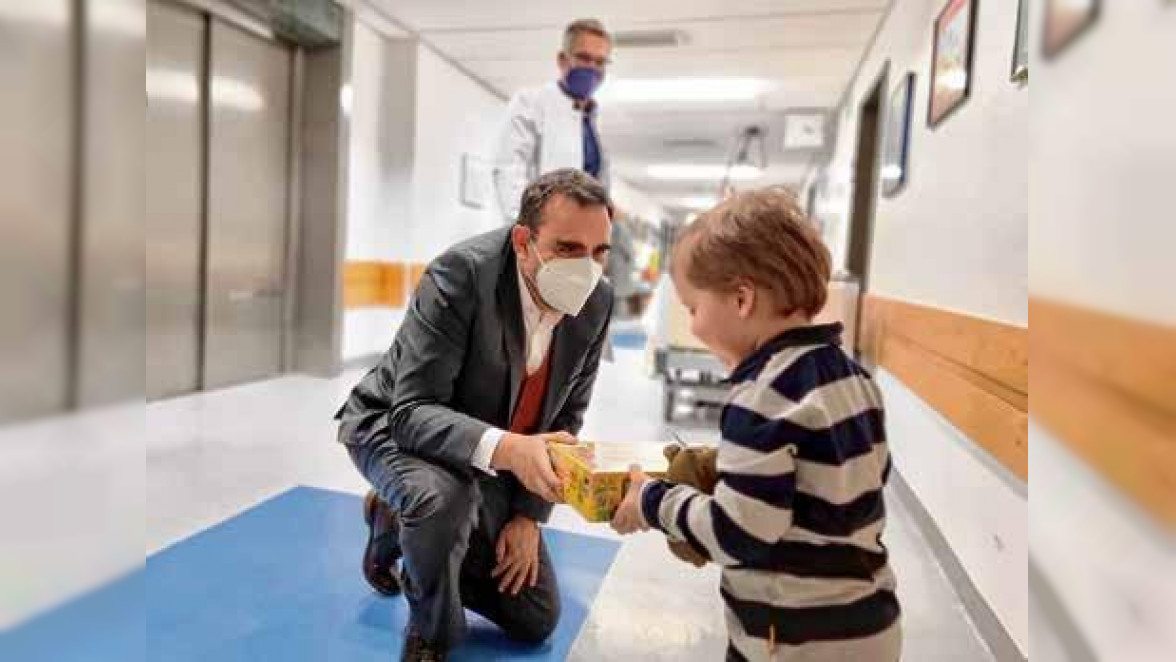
{"points": [[457, 365]]}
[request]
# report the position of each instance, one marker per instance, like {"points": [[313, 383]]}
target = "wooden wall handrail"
{"points": [[1102, 384], [1138, 358], [1105, 386], [973, 371]]}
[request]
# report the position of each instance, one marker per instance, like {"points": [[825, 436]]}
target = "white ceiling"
{"points": [[805, 50]]}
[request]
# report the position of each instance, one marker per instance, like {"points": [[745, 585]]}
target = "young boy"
{"points": [[796, 517]]}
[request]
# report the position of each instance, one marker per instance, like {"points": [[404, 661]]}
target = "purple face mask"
{"points": [[581, 82]]}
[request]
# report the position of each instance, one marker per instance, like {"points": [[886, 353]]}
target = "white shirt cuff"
{"points": [[484, 451]]}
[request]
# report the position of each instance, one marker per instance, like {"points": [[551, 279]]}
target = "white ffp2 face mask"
{"points": [[566, 283]]}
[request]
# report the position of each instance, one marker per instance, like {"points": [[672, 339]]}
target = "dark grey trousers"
{"points": [[449, 528]]}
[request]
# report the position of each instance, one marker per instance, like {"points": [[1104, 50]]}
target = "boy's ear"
{"points": [[745, 299]]}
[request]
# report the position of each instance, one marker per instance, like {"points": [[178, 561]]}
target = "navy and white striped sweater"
{"points": [[797, 515]]}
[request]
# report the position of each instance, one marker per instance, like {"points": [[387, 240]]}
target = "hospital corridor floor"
{"points": [[215, 456]]}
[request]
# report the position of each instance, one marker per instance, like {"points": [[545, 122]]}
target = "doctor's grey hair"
{"points": [[569, 182], [582, 26]]}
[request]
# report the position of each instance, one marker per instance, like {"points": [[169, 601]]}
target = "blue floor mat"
{"points": [[105, 624], [629, 340], [281, 582]]}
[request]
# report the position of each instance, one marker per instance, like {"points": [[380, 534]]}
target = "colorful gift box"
{"points": [[597, 473]]}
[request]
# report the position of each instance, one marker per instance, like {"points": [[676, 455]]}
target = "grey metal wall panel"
{"points": [[174, 197], [320, 293], [36, 195], [249, 134], [111, 319]]}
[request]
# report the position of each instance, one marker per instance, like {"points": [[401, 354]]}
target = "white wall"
{"points": [[955, 238], [413, 116], [379, 184], [1102, 168], [1103, 165], [979, 507], [380, 167], [455, 116], [1113, 570]]}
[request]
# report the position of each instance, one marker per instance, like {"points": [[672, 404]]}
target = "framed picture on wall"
{"points": [[951, 62], [1020, 72], [475, 180], [896, 144], [1065, 21]]}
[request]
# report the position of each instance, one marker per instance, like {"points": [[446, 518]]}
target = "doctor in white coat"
{"points": [[554, 126]]}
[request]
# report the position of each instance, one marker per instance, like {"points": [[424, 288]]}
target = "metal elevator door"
{"points": [[174, 197], [248, 205], [36, 190], [111, 299], [218, 136]]}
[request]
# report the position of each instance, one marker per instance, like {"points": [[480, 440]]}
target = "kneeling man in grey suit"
{"points": [[496, 356]]}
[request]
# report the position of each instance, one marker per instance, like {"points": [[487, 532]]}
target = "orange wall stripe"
{"points": [[393, 286], [362, 284], [374, 284]]}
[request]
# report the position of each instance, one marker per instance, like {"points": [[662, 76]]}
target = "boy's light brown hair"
{"points": [[764, 237]]}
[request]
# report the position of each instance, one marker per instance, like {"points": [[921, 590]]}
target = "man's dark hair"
{"points": [[569, 182]]}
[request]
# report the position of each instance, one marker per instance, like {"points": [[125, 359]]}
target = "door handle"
{"points": [[244, 296]]}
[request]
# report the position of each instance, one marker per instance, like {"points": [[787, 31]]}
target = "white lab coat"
{"points": [[543, 132]]}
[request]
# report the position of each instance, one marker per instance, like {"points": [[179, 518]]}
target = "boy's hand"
{"points": [[628, 518]]}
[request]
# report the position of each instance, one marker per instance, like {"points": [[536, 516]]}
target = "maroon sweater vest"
{"points": [[529, 408]]}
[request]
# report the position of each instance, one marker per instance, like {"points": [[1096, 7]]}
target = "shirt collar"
{"points": [[815, 334]]}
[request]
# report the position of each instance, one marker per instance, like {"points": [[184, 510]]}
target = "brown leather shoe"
{"points": [[418, 649], [383, 546]]}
